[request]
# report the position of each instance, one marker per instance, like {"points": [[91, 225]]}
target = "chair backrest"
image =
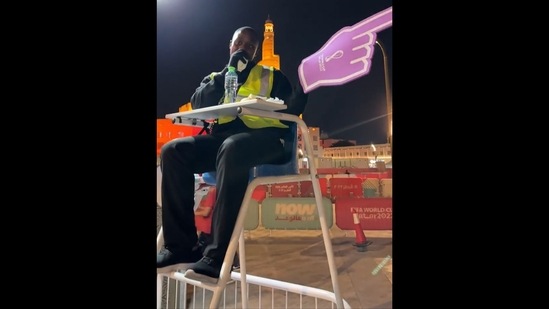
{"points": [[290, 162], [288, 166]]}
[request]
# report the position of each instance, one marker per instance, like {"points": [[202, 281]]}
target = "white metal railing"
{"points": [[263, 293]]}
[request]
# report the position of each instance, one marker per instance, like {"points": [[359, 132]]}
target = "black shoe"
{"points": [[168, 261], [205, 270], [205, 239]]}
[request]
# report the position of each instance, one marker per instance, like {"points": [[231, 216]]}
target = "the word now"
{"points": [[295, 209]]}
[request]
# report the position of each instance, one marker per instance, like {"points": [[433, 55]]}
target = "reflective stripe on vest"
{"points": [[259, 82]]}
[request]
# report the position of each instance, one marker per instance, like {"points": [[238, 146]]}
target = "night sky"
{"points": [[193, 39]]}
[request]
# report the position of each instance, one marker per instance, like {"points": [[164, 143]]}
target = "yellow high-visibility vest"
{"points": [[260, 83]]}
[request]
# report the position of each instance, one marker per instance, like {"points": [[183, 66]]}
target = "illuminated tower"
{"points": [[268, 56]]}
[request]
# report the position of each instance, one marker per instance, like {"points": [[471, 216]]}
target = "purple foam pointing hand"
{"points": [[346, 56]]}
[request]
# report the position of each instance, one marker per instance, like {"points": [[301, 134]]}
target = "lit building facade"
{"points": [[362, 156]]}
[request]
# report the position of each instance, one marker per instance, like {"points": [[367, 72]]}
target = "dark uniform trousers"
{"points": [[231, 150]]}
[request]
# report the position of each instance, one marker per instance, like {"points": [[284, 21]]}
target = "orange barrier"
{"points": [[166, 131]]}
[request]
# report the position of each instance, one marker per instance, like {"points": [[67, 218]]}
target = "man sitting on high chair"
{"points": [[235, 145]]}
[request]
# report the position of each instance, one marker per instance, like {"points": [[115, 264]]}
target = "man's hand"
{"points": [[239, 60], [346, 56]]}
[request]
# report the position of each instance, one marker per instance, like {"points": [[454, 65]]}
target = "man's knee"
{"points": [[229, 151], [175, 147]]}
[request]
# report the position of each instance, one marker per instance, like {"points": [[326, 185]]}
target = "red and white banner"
{"points": [[375, 213]]}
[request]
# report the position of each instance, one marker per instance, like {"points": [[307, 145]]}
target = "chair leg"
{"points": [[242, 259], [327, 239], [237, 239], [159, 240], [159, 279]]}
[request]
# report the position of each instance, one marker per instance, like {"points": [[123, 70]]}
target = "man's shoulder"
{"points": [[276, 72], [213, 74], [267, 67]]}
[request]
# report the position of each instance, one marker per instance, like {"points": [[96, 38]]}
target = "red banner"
{"points": [[288, 189], [307, 187], [374, 213], [345, 187]]}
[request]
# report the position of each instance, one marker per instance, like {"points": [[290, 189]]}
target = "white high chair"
{"points": [[263, 175]]}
